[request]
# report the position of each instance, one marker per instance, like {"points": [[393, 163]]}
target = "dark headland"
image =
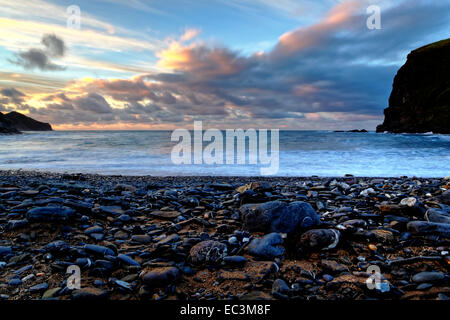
{"points": [[420, 98], [15, 122]]}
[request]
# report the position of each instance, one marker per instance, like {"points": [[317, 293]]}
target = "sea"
{"points": [[301, 153]]}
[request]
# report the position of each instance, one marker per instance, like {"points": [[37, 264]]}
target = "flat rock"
{"points": [[254, 272], [49, 214], [165, 214], [89, 294]]}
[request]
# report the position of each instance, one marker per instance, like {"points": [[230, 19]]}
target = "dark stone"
{"points": [[111, 210], [439, 216], [127, 260], [280, 289], [268, 247], [48, 214], [445, 197], [94, 229], [318, 239], [428, 277], [277, 216], [165, 214], [160, 277], [141, 238], [89, 294], [39, 287], [235, 260], [14, 282], [56, 247], [100, 250], [420, 96], [16, 224], [429, 228], [5, 250]]}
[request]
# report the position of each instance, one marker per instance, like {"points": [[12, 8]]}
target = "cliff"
{"points": [[420, 98]]}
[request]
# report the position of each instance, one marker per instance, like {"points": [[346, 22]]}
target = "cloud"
{"points": [[93, 103], [41, 58], [201, 61], [333, 74], [55, 46], [12, 94], [189, 34], [35, 58]]}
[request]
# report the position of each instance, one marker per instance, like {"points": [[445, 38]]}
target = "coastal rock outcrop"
{"points": [[420, 98], [21, 122], [6, 126]]}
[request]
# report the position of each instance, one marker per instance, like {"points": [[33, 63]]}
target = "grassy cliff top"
{"points": [[433, 46]]}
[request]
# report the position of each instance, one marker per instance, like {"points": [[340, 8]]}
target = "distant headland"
{"points": [[15, 122]]}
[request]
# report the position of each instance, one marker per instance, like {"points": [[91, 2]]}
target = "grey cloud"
{"points": [[55, 46], [94, 103], [12, 95], [41, 58]]}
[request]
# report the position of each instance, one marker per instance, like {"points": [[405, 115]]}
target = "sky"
{"points": [[163, 64]]}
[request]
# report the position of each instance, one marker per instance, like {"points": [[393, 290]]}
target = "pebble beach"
{"points": [[223, 238]]}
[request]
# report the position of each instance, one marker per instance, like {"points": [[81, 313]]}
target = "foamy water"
{"points": [[302, 153]]}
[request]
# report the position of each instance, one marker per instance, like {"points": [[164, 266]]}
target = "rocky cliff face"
{"points": [[420, 98], [13, 122]]}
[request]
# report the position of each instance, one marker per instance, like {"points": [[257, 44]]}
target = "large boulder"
{"points": [[277, 216], [420, 98]]}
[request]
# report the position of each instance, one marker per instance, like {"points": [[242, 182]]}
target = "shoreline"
{"points": [[56, 174], [223, 238]]}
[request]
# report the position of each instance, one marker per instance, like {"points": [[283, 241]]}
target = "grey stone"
{"points": [[50, 214], [277, 216], [268, 247], [429, 228], [423, 277]]}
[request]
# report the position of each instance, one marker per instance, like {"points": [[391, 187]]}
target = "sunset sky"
{"points": [[161, 64]]}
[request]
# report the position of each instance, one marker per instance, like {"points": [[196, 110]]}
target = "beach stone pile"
{"points": [[227, 238]]}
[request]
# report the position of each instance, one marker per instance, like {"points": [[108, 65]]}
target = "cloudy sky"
{"points": [[161, 64]]}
